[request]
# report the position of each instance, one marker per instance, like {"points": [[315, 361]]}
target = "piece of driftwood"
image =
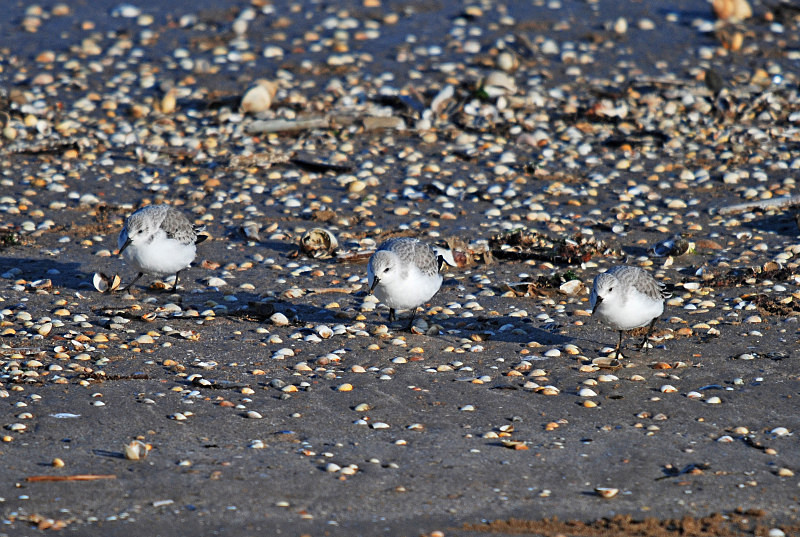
{"points": [[78, 477], [776, 203]]}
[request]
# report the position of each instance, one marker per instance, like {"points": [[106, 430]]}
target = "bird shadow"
{"points": [[783, 224], [61, 274]]}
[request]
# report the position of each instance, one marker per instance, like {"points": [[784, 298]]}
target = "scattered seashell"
{"points": [[732, 10], [319, 243], [606, 492], [279, 319], [517, 445], [137, 450], [106, 284], [674, 246], [571, 288], [258, 98], [169, 102], [498, 83]]}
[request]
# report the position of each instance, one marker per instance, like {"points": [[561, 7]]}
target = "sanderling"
{"points": [[625, 298], [160, 240], [404, 274]]}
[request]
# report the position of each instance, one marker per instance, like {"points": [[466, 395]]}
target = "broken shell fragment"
{"points": [[606, 492], [136, 450], [516, 445], [319, 242], [732, 10], [674, 246], [498, 83], [106, 284], [571, 288], [259, 97], [606, 362]]}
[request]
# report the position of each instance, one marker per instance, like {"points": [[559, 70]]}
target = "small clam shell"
{"points": [[498, 83], [732, 10], [674, 246], [101, 282], [116, 281], [606, 492], [318, 242], [136, 450], [259, 97], [605, 362], [442, 99], [169, 102], [571, 288], [446, 256]]}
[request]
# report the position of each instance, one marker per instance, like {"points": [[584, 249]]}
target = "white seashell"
{"points": [[439, 103], [714, 400], [279, 319], [332, 467], [101, 282], [349, 470], [324, 331], [498, 83], [587, 392], [732, 10], [136, 450], [780, 431], [319, 242], [571, 288], [606, 492], [668, 388], [380, 425], [259, 97]]}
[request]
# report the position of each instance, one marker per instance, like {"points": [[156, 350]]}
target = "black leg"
{"points": [[619, 345], [132, 282], [391, 315], [647, 336], [411, 321], [175, 287]]}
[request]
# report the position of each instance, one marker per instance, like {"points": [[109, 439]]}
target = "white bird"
{"points": [[160, 240], [625, 298], [403, 273]]}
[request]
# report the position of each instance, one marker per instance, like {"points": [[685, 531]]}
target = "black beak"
{"points": [[375, 281], [596, 304], [127, 243]]}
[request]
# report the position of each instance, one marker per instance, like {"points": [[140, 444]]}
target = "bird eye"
{"points": [[386, 269], [610, 289]]}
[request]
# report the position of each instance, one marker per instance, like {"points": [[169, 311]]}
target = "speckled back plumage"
{"points": [[172, 221], [413, 251], [641, 280]]}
